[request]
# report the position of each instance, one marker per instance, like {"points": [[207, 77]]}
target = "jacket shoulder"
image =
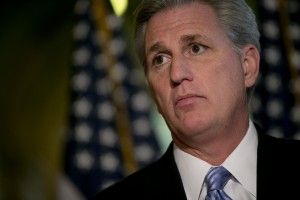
{"points": [[131, 185], [280, 146], [159, 180]]}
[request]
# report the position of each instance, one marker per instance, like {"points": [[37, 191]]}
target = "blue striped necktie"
{"points": [[216, 179]]}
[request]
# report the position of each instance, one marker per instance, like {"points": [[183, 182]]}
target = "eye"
{"points": [[160, 60], [196, 49]]}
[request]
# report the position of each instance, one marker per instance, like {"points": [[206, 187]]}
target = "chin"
{"points": [[191, 126]]}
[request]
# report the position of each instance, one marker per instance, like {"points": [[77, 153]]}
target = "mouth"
{"points": [[185, 100]]}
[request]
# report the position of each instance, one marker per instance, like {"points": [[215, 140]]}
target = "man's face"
{"points": [[196, 76]]}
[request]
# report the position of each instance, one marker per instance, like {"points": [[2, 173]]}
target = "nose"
{"points": [[180, 71]]}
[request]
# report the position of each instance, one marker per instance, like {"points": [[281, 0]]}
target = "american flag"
{"points": [[110, 135], [276, 101]]}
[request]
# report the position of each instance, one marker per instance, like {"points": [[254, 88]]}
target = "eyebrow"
{"points": [[192, 37], [158, 46]]}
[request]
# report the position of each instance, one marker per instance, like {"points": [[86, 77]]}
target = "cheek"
{"points": [[228, 78], [159, 91]]}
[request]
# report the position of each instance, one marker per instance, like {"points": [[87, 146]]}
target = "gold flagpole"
{"points": [[122, 116], [289, 46]]}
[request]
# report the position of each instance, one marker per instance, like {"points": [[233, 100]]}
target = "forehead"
{"points": [[192, 18]]}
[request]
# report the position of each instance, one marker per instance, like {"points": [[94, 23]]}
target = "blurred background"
{"points": [[75, 112]]}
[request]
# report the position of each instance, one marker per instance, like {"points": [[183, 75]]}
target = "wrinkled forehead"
{"points": [[170, 17], [183, 22]]}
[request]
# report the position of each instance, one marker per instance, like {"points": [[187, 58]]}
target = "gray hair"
{"points": [[235, 16]]}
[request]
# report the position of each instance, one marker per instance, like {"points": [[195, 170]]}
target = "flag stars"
{"points": [[294, 30], [83, 133], [81, 82], [140, 102], [256, 104], [296, 114], [295, 86], [272, 55], [101, 61], [82, 108], [295, 59], [117, 46], [81, 7], [114, 22], [144, 153], [136, 77], [270, 5], [294, 6], [297, 136], [107, 183], [109, 162], [103, 87], [106, 111], [271, 29], [275, 109], [84, 160], [119, 72], [81, 30], [108, 137], [275, 132], [141, 126], [104, 81], [273, 82], [82, 56]]}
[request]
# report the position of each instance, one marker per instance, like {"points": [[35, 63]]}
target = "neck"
{"points": [[215, 146]]}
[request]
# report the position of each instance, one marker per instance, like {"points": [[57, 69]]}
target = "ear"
{"points": [[250, 63]]}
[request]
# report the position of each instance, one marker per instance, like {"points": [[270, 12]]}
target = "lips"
{"points": [[185, 100]]}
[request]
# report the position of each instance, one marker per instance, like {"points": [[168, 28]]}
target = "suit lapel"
{"points": [[171, 185], [273, 165], [264, 168]]}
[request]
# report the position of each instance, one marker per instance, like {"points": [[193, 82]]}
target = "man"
{"points": [[201, 61]]}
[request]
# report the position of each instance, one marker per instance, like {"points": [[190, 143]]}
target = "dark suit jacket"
{"points": [[277, 165]]}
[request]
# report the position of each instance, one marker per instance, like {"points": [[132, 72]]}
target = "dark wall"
{"points": [[35, 57]]}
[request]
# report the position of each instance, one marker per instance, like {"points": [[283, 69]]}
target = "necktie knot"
{"points": [[216, 179]]}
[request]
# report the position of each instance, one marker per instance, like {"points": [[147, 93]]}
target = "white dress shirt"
{"points": [[241, 163]]}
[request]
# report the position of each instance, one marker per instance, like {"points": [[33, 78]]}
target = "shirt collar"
{"points": [[241, 163], [192, 171]]}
